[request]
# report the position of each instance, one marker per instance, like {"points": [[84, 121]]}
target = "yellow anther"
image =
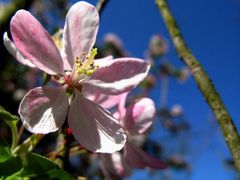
{"points": [[84, 66], [89, 60], [89, 72], [81, 71], [93, 53]]}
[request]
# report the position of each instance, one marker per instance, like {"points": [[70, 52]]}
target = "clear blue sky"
{"points": [[211, 29]]}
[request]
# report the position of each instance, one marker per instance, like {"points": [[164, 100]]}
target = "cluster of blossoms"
{"points": [[79, 77]]}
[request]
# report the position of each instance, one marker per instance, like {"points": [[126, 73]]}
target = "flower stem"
{"points": [[28, 145], [14, 132], [20, 132], [204, 83], [63, 149]]}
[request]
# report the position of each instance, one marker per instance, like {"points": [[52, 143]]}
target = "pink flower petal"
{"points": [[139, 116], [137, 158], [114, 166], [106, 101], [34, 42], [44, 109], [80, 30], [118, 76], [10, 46], [93, 127], [122, 106]]}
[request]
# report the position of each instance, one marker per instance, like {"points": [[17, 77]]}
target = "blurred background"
{"points": [[185, 133]]}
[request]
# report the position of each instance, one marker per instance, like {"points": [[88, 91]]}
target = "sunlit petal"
{"points": [[80, 30], [93, 127], [43, 109], [35, 44], [118, 76]]}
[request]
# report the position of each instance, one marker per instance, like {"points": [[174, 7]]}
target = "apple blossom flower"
{"points": [[45, 109], [135, 120]]}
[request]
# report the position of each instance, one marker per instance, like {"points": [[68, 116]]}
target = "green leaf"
{"points": [[10, 166], [11, 121], [30, 166], [8, 163], [7, 116], [39, 166], [5, 152]]}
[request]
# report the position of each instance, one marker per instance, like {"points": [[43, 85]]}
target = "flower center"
{"points": [[82, 69]]}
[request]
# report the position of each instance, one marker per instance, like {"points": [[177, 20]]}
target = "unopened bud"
{"points": [[176, 110], [157, 46]]}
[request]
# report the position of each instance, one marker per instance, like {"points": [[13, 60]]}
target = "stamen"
{"points": [[83, 67], [89, 60], [81, 71], [89, 72]]}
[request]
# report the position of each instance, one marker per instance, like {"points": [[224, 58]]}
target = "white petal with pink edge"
{"points": [[93, 127], [80, 30], [118, 76], [10, 46], [139, 116], [137, 158], [44, 109], [34, 42]]}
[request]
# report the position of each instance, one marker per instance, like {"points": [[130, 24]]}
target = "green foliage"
{"points": [[37, 166], [11, 121], [7, 116], [5, 152], [8, 163], [10, 166], [28, 166]]}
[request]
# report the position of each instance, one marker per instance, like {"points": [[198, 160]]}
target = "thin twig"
{"points": [[204, 83]]}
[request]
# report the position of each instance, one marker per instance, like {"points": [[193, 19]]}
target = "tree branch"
{"points": [[204, 83]]}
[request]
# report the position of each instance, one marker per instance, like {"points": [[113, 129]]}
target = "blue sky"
{"points": [[211, 29]]}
